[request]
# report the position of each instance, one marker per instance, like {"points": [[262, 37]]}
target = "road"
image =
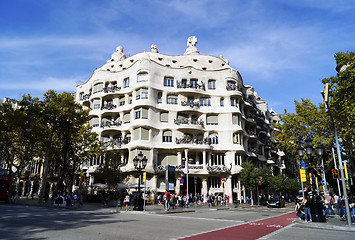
{"points": [[35, 222]]}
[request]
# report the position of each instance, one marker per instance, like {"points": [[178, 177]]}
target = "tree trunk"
{"points": [[44, 179]]}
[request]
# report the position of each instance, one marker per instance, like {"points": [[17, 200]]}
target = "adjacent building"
{"points": [[191, 111]]}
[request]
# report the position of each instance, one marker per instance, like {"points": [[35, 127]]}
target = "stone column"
{"points": [[228, 188], [179, 158], [153, 183], [177, 186], [204, 160], [204, 188], [239, 189]]}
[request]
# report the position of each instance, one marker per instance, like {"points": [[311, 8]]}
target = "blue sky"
{"points": [[283, 48]]}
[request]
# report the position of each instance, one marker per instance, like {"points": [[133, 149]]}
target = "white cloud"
{"points": [[59, 84]]}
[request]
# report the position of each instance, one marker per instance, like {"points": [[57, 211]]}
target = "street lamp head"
{"points": [[144, 162], [320, 150], [300, 151], [309, 147], [135, 161]]}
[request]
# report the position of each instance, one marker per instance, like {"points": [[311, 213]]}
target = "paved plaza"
{"points": [[96, 221]]}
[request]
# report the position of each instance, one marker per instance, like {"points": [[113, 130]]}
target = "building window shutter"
{"points": [[212, 120], [136, 134], [164, 117], [144, 113], [144, 134], [126, 117]]}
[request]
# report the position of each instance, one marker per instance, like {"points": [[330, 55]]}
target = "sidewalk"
{"points": [[334, 222]]}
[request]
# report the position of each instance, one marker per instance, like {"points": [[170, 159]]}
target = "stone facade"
{"points": [[190, 111]]}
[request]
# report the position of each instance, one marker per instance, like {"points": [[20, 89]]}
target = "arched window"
{"points": [[213, 138], [167, 136], [142, 77]]}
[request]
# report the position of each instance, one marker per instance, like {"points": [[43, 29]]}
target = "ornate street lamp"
{"points": [[316, 204], [139, 162]]}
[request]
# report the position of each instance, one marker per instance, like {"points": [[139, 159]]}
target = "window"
{"points": [[138, 114], [236, 119], [169, 82], [190, 99], [211, 84], [126, 117], [238, 159], [122, 101], [205, 101], [212, 120], [213, 138], [94, 122], [164, 116], [130, 99], [141, 113], [160, 97], [222, 102], [193, 83], [236, 138], [142, 77], [214, 182], [98, 88], [172, 99], [144, 93], [234, 101], [217, 158], [167, 136], [126, 82], [97, 103], [141, 133]]}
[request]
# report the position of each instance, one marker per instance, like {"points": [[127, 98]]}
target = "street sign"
{"points": [[303, 175], [323, 183], [181, 181], [144, 176]]}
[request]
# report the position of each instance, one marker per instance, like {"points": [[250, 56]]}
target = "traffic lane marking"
{"points": [[249, 231]]}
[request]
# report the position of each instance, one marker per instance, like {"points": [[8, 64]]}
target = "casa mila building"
{"points": [[190, 111]]}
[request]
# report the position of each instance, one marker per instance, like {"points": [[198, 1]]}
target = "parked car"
{"points": [[276, 202]]}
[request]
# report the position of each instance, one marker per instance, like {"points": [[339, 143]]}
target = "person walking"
{"points": [[307, 208], [127, 202]]}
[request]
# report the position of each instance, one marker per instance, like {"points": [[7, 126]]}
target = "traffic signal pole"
{"points": [[335, 165], [325, 96]]}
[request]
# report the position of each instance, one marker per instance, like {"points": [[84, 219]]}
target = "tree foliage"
{"points": [[342, 100], [55, 127], [309, 121], [109, 172]]}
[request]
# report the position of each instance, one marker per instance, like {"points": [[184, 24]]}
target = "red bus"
{"points": [[5, 183]]}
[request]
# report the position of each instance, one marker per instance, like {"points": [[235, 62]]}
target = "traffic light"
{"points": [[346, 171], [335, 173], [326, 92]]}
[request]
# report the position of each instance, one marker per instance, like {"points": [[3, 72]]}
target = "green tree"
{"points": [[342, 100], [109, 171]]}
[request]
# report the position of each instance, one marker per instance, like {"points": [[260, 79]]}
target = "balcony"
{"points": [[85, 97], [110, 124], [116, 142], [189, 121], [233, 87], [218, 169], [111, 89], [192, 104], [108, 106], [191, 85], [192, 140]]}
